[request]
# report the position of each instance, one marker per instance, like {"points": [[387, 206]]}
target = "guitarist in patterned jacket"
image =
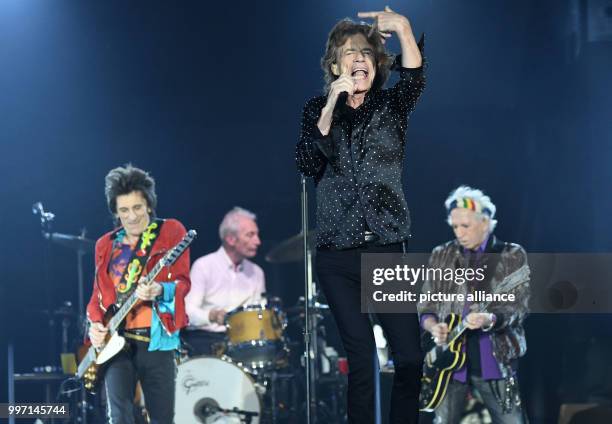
{"points": [[122, 259], [493, 337]]}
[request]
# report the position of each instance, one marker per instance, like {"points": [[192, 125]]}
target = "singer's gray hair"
{"points": [[230, 224], [338, 35]]}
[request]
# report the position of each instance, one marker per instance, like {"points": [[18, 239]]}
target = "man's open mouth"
{"points": [[360, 73]]}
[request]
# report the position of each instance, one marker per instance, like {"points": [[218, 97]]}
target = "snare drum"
{"points": [[206, 384], [255, 336]]}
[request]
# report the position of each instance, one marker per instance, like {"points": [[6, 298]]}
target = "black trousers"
{"points": [[339, 276], [156, 372]]}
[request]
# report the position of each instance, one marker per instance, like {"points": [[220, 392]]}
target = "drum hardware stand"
{"points": [[244, 416], [273, 378], [310, 333]]}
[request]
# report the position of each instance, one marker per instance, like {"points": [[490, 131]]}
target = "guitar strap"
{"points": [[136, 264], [492, 256]]}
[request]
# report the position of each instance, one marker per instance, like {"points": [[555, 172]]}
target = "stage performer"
{"points": [[223, 280], [352, 143], [122, 258], [495, 338]]}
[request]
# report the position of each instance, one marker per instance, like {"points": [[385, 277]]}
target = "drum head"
{"points": [[244, 308], [205, 383]]}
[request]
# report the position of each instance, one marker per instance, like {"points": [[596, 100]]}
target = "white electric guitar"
{"points": [[114, 343]]}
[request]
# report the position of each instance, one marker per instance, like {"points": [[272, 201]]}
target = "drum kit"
{"points": [[258, 373]]}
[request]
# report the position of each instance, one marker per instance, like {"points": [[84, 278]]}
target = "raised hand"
{"points": [[387, 21]]}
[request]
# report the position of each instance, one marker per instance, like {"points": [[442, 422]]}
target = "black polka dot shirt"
{"points": [[357, 167]]}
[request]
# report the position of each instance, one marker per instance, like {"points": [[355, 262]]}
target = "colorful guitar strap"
{"points": [[136, 264]]}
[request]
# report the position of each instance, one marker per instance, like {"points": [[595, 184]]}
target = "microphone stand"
{"points": [[45, 221], [80, 251], [310, 333]]}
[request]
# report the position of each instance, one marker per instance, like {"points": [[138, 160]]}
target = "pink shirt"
{"points": [[216, 283]]}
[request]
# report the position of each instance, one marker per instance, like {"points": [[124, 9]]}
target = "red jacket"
{"points": [[104, 295]]}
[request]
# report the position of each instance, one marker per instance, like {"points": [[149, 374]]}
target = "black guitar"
{"points": [[441, 361]]}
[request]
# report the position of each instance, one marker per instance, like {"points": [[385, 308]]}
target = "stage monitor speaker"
{"points": [[585, 413]]}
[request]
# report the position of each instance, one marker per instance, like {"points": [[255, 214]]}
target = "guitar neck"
{"points": [[131, 300], [509, 283], [461, 327], [456, 332]]}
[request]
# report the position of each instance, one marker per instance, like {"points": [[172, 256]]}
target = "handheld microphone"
{"points": [[342, 98]]}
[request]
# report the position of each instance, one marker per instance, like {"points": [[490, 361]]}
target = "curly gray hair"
{"points": [[481, 204]]}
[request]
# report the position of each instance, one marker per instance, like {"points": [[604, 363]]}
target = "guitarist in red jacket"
{"points": [[484, 355], [151, 329]]}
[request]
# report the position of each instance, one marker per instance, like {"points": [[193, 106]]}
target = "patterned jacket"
{"points": [[510, 268], [174, 279]]}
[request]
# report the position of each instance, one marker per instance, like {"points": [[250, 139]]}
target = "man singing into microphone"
{"points": [[352, 143]]}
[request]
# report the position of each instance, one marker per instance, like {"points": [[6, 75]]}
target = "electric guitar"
{"points": [[441, 361], [114, 343]]}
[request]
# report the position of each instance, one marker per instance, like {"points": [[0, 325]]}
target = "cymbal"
{"points": [[314, 308], [291, 249], [317, 307], [60, 312], [72, 242]]}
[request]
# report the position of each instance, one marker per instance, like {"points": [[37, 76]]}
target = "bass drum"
{"points": [[205, 384]]}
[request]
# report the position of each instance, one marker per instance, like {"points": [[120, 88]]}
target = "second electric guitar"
{"points": [[443, 360]]}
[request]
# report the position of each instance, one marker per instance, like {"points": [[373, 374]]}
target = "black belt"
{"points": [[140, 334], [368, 237]]}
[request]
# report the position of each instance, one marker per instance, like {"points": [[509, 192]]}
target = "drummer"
{"points": [[222, 281]]}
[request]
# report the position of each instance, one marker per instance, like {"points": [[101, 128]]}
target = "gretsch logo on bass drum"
{"points": [[191, 383]]}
